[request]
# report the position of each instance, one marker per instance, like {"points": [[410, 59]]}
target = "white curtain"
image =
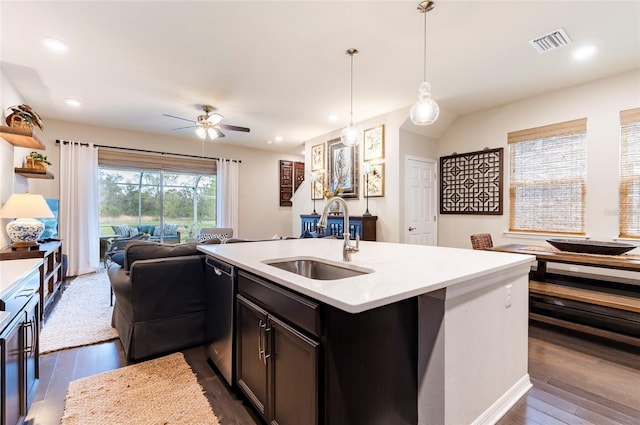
{"points": [[228, 181], [79, 227]]}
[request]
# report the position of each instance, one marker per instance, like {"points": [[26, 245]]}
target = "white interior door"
{"points": [[420, 199]]}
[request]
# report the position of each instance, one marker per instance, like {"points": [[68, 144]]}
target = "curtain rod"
{"points": [[66, 142]]}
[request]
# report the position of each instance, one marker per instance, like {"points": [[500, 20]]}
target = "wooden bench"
{"points": [[587, 296]]}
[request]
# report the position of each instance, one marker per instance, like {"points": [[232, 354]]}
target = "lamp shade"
{"points": [[26, 205], [25, 230]]}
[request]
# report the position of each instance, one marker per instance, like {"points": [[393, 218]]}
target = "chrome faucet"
{"points": [[347, 248]]}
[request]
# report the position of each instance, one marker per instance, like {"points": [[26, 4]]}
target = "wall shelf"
{"points": [[30, 173], [23, 138]]}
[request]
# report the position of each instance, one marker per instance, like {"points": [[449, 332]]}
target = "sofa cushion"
{"points": [[169, 230], [143, 250], [121, 230]]}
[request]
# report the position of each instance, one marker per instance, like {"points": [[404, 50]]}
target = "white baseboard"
{"points": [[501, 406]]}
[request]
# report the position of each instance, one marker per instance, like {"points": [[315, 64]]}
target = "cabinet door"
{"points": [[251, 322], [294, 375], [31, 361], [11, 358]]}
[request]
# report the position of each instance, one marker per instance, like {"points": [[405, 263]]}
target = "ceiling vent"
{"points": [[553, 40]]}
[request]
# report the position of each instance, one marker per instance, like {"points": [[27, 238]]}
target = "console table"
{"points": [[50, 270], [364, 226], [607, 308]]}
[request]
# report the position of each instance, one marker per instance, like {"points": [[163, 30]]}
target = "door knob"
{"points": [[411, 228]]}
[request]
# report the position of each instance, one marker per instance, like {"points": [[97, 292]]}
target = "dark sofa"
{"points": [[159, 298]]}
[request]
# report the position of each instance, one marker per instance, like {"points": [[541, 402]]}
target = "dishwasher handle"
{"points": [[219, 267]]}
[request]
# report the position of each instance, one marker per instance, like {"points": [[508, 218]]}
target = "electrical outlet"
{"points": [[507, 299]]}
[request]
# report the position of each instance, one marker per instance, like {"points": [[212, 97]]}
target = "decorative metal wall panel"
{"points": [[471, 183]]}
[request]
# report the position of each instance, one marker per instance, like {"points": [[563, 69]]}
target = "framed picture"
{"points": [[317, 184], [375, 181], [317, 157], [373, 144], [343, 168]]}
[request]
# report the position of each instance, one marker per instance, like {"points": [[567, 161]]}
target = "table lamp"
{"points": [[25, 230]]}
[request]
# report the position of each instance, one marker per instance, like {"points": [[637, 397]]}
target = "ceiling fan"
{"points": [[208, 124]]}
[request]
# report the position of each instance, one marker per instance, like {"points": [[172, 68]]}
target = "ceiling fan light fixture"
{"points": [[213, 133], [351, 135], [425, 111], [201, 132]]}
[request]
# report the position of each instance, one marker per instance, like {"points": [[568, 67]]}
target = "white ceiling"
{"points": [[279, 67]]}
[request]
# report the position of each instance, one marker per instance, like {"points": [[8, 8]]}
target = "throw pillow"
{"points": [[122, 230], [207, 236], [118, 258], [133, 231]]}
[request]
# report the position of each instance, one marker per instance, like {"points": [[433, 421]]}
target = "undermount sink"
{"points": [[317, 269]]}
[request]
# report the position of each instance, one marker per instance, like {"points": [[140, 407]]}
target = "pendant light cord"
{"points": [[351, 112], [424, 74]]}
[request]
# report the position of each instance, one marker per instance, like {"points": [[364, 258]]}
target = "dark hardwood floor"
{"points": [[576, 380]]}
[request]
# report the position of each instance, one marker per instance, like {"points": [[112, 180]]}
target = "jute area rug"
{"points": [[162, 391], [82, 315]]}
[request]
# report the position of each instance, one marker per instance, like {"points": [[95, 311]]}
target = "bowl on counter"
{"points": [[591, 247]]}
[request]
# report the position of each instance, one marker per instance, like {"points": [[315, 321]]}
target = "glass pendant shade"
{"points": [[425, 111], [351, 135], [201, 132]]}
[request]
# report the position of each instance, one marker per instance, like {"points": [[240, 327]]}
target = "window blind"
{"points": [[148, 161], [547, 184], [630, 173]]}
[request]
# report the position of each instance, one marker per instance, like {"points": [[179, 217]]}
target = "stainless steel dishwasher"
{"points": [[221, 292]]}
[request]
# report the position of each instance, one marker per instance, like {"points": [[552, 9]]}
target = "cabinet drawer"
{"points": [[295, 309], [15, 300]]}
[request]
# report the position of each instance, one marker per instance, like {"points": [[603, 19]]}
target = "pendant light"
{"points": [[425, 111], [351, 135]]}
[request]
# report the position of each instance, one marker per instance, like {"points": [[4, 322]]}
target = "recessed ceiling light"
{"points": [[268, 142], [278, 139], [584, 52], [73, 102], [332, 117], [55, 45]]}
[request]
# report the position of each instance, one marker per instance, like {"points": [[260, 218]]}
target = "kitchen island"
{"points": [[455, 319]]}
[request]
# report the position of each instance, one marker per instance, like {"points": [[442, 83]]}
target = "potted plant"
{"points": [[37, 161], [23, 116]]}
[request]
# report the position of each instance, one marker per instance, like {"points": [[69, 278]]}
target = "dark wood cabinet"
{"points": [[291, 177], [11, 388], [51, 275], [364, 226], [19, 352], [303, 362], [277, 367]]}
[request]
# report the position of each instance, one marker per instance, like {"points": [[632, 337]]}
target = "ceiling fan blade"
{"points": [[234, 128], [215, 118], [179, 118], [184, 128]]}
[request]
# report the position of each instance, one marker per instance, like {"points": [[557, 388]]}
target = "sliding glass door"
{"points": [[155, 205]]}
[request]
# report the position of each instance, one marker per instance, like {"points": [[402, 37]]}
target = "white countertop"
{"points": [[11, 271], [401, 271]]}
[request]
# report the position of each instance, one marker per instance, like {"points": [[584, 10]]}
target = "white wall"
{"points": [[10, 156], [398, 143], [260, 214], [599, 101]]}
